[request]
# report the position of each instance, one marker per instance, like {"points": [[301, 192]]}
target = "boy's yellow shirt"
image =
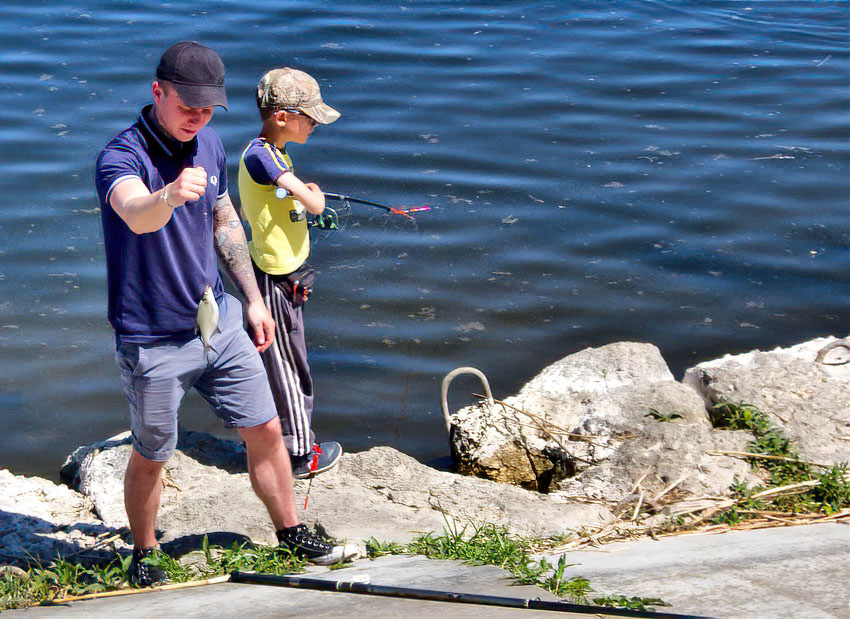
{"points": [[280, 238]]}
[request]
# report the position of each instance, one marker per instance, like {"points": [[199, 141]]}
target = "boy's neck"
{"points": [[276, 140], [275, 134]]}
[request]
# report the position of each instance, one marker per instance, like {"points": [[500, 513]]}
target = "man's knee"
{"points": [[141, 464], [269, 431]]}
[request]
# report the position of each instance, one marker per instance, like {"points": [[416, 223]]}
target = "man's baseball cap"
{"points": [[197, 73], [292, 89]]}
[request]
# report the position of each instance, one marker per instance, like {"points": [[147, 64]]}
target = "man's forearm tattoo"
{"points": [[232, 247]]}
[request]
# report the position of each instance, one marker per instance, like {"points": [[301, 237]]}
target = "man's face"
{"points": [[179, 120]]}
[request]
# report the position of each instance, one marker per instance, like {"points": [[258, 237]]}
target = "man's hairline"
{"points": [[169, 88]]}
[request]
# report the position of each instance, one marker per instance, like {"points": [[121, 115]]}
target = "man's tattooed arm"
{"points": [[232, 248]]}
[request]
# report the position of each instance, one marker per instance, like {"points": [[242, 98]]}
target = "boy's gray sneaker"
{"points": [[304, 543], [324, 456]]}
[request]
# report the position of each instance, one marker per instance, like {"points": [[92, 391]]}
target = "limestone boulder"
{"points": [[389, 495], [379, 493], [807, 397], [601, 423]]}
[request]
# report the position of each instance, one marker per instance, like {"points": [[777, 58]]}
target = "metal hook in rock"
{"points": [[821, 356], [448, 380]]}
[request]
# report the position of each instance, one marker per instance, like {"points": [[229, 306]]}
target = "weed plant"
{"points": [[831, 495], [487, 544], [631, 603], [62, 578], [490, 544]]}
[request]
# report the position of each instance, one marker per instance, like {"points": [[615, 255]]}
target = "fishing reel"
{"points": [[328, 220]]}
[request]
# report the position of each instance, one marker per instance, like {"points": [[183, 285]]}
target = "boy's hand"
{"points": [[308, 194], [318, 202], [188, 187]]}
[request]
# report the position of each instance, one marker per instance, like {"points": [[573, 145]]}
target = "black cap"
{"points": [[197, 73]]}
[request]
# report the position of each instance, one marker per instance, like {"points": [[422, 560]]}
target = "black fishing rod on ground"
{"points": [[318, 584]]}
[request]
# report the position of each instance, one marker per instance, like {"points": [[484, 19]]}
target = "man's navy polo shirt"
{"points": [[155, 280]]}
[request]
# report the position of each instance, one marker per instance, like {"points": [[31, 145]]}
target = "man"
{"points": [[166, 213]]}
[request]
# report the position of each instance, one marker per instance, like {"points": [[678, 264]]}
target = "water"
{"points": [[675, 173]]}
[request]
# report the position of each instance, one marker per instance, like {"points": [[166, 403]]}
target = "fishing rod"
{"points": [[405, 212], [318, 584]]}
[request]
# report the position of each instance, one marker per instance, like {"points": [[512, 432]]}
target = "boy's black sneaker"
{"points": [[323, 457], [305, 544], [141, 573]]}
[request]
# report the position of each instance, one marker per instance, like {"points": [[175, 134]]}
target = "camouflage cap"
{"points": [[289, 88]]}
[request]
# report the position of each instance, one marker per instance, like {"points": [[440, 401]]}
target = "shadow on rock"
{"points": [[194, 542], [28, 540]]}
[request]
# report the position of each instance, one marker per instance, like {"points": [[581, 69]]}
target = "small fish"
{"points": [[206, 320]]}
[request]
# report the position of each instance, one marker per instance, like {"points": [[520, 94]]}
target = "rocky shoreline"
{"points": [[603, 436]]}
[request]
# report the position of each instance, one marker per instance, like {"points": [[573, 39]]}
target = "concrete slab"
{"points": [[249, 600], [799, 571]]}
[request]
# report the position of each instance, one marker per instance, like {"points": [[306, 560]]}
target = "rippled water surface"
{"points": [[675, 173]]}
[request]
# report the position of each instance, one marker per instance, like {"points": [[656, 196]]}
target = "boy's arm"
{"points": [[232, 248], [307, 194], [267, 166]]}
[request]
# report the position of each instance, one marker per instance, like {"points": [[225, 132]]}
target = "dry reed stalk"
{"points": [[640, 480], [543, 423], [671, 486], [130, 591], [789, 489], [637, 506], [744, 454]]}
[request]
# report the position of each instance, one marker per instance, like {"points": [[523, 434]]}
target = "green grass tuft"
{"points": [[490, 544], [65, 579], [829, 496]]}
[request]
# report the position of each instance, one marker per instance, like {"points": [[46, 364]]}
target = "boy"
{"points": [[275, 203]]}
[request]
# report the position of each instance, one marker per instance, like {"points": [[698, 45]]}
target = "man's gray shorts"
{"points": [[229, 375]]}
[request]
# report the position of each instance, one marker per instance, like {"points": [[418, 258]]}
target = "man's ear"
{"points": [[158, 91]]}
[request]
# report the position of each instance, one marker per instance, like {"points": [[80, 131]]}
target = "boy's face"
{"points": [[178, 119], [298, 126]]}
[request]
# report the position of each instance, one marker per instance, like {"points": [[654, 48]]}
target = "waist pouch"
{"points": [[297, 285]]}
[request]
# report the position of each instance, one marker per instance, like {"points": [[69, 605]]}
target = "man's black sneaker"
{"points": [[141, 573], [305, 544], [323, 457]]}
